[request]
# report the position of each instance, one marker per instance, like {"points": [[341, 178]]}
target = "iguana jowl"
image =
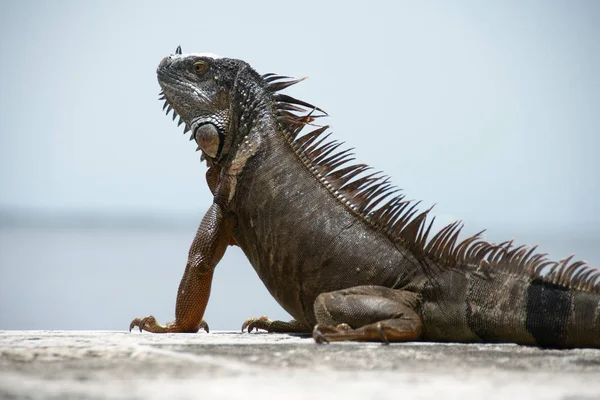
{"points": [[338, 248]]}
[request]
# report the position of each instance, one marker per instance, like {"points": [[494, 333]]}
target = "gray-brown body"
{"points": [[302, 241], [277, 210]]}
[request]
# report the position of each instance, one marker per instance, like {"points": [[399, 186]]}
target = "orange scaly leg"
{"points": [[212, 238]]}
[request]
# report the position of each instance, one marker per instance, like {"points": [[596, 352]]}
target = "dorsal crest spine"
{"points": [[372, 198]]}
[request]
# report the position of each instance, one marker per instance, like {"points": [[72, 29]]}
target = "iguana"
{"points": [[337, 245]]}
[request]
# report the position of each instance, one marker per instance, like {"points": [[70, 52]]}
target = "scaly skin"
{"points": [[345, 258]]}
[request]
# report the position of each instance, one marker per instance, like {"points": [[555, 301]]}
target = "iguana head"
{"points": [[221, 100], [197, 87]]}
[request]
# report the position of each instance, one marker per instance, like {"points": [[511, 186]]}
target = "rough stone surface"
{"points": [[231, 365]]}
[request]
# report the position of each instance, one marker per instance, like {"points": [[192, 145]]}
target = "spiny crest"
{"points": [[372, 197], [168, 108]]}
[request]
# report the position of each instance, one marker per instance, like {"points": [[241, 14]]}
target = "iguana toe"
{"points": [[384, 340], [147, 323], [204, 326], [318, 336], [267, 324], [263, 323]]}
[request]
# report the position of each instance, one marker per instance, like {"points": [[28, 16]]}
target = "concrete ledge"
{"points": [[231, 365]]}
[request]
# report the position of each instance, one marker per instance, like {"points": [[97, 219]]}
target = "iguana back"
{"points": [[337, 246]]}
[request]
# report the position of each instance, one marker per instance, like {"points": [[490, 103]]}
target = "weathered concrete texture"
{"points": [[226, 365]]}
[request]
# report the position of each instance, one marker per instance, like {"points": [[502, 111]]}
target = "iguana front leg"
{"points": [[208, 247], [367, 313]]}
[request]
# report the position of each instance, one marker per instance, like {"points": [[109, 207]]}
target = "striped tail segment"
{"points": [[559, 316], [522, 297]]}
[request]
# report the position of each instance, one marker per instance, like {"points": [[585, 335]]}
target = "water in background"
{"points": [[81, 278], [102, 277]]}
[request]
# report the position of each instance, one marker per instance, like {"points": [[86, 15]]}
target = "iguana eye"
{"points": [[200, 67]]}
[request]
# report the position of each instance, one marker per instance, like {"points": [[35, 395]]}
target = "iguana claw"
{"points": [[384, 340], [142, 323], [318, 335]]}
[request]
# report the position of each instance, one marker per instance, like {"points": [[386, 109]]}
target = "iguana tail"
{"points": [[499, 305]]}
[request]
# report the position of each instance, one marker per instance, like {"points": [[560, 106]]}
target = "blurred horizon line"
{"points": [[96, 219], [17, 217]]}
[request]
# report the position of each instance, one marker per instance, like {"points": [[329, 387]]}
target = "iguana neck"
{"points": [[252, 119], [251, 113]]}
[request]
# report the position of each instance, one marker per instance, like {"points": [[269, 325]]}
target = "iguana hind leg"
{"points": [[367, 313], [265, 323]]}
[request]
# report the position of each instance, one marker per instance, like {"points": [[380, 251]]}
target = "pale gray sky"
{"points": [[489, 109]]}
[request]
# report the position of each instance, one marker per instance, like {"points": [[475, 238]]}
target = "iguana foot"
{"points": [[150, 324], [367, 313], [320, 331], [384, 331], [267, 324], [263, 323]]}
